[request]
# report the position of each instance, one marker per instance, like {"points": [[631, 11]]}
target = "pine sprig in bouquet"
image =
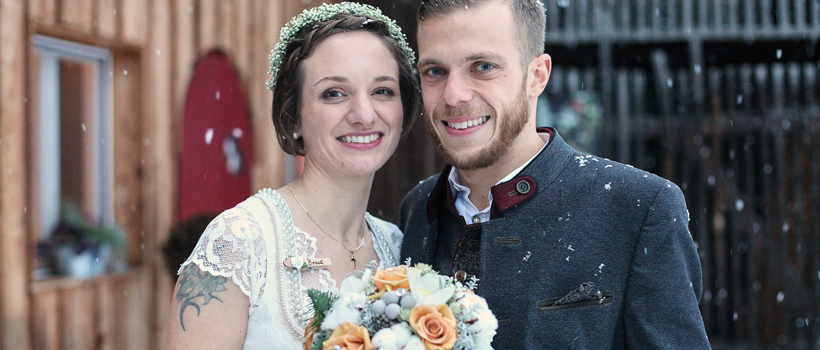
{"points": [[400, 308]]}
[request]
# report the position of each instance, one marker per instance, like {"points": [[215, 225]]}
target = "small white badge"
{"points": [[297, 262]]}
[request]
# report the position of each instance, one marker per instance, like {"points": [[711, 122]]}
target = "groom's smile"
{"points": [[472, 79]]}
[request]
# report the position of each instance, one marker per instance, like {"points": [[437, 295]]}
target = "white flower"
{"points": [[384, 339], [395, 337], [430, 289], [352, 284], [414, 343], [346, 309], [467, 299], [483, 330], [485, 322], [481, 321]]}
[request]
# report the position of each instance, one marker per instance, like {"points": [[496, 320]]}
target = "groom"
{"points": [[572, 251]]}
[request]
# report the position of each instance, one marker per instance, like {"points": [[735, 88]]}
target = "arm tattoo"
{"points": [[194, 284]]}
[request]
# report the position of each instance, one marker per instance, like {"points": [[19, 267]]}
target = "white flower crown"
{"points": [[323, 13]]}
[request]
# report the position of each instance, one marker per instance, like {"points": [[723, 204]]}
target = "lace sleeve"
{"points": [[233, 247]]}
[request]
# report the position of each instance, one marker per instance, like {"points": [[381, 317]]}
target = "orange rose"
{"points": [[349, 337], [395, 277], [435, 325]]}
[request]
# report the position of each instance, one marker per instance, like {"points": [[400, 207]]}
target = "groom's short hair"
{"points": [[528, 16]]}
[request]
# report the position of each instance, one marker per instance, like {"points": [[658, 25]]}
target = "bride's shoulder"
{"points": [[243, 220]]}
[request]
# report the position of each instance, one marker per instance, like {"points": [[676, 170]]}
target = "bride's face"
{"points": [[350, 108]]}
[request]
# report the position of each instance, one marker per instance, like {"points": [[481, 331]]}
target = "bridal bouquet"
{"points": [[398, 308]]}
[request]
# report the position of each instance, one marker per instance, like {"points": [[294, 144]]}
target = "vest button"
{"points": [[461, 275], [523, 187]]}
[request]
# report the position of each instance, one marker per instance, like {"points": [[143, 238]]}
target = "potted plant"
{"points": [[81, 247]]}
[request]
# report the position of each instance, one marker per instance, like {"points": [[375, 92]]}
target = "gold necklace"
{"points": [[352, 251]]}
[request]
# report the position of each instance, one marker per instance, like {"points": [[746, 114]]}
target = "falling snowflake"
{"points": [[209, 135], [608, 186]]}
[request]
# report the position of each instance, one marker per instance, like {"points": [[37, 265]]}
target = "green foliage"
{"points": [[472, 284], [320, 338], [99, 233], [425, 269], [404, 315], [322, 302]]}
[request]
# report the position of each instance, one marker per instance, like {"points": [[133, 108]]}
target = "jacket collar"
{"points": [[533, 179]]}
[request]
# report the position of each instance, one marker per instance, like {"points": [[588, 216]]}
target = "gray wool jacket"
{"points": [[580, 253]]}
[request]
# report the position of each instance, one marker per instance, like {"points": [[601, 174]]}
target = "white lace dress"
{"points": [[247, 245]]}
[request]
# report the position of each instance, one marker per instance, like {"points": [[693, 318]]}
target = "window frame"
{"points": [[47, 177]]}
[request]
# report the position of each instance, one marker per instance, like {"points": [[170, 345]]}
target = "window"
{"points": [[72, 145]]}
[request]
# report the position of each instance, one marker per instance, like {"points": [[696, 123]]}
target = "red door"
{"points": [[216, 140]]}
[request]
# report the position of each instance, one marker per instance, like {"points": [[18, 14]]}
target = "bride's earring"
{"points": [[295, 135]]}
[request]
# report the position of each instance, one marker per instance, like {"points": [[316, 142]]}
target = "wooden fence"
{"points": [[624, 20]]}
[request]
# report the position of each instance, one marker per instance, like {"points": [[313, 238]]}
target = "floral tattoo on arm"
{"points": [[195, 284]]}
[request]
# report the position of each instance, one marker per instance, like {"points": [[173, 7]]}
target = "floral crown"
{"points": [[323, 13]]}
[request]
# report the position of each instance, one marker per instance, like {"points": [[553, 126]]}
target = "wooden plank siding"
{"points": [[569, 21], [14, 248], [154, 45]]}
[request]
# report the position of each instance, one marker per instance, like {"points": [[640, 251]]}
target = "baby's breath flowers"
{"points": [[325, 12]]}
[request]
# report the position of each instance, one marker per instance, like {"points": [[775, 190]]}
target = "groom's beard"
{"points": [[509, 126]]}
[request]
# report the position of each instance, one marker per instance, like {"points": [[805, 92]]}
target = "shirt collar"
{"points": [[455, 180], [543, 168]]}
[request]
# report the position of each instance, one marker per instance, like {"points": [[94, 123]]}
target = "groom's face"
{"points": [[472, 81]]}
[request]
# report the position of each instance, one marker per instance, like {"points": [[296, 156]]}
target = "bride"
{"points": [[343, 91]]}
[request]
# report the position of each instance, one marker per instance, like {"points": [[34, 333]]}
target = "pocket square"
{"points": [[585, 292]]}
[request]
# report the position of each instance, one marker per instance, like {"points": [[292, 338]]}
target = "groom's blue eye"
{"points": [[485, 66], [435, 72]]}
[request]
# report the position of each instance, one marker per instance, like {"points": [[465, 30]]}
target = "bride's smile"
{"points": [[351, 110]]}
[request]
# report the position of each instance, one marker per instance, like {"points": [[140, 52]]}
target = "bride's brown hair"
{"points": [[288, 84]]}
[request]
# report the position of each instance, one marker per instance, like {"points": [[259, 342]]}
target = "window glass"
{"points": [[72, 143]]}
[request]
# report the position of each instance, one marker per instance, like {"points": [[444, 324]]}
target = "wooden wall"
{"points": [[155, 45], [13, 244]]}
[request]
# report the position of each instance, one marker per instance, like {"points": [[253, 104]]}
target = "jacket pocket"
{"points": [[548, 305]]}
